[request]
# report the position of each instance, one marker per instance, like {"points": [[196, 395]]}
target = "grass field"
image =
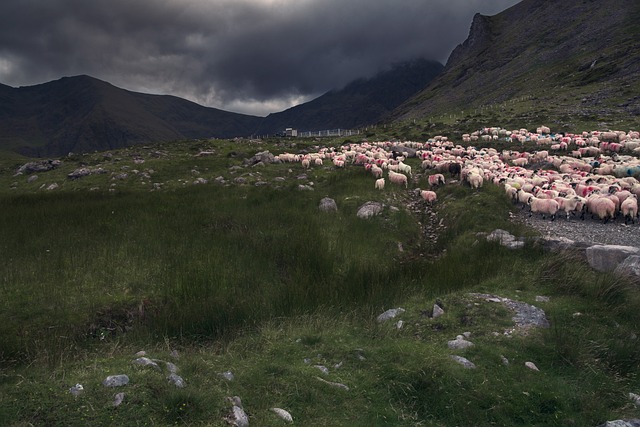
{"points": [[257, 281]]}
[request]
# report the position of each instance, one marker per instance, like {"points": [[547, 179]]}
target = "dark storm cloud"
{"points": [[252, 56]]}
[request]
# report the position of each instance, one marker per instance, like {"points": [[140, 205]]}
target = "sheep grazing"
{"points": [[398, 178], [629, 209], [376, 171], [428, 196], [436, 180], [380, 184], [543, 206]]}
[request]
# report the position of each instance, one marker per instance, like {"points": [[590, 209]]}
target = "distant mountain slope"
{"points": [[362, 102], [82, 113], [577, 56]]}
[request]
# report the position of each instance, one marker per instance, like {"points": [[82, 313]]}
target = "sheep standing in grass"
{"points": [[436, 180], [398, 178], [380, 184]]}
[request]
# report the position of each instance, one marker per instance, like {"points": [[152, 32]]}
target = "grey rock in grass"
{"points": [[116, 380], [77, 390], [622, 423], [177, 381], [629, 267], [79, 173], [369, 210], [145, 361], [437, 311], [322, 369], [52, 186], [540, 298], [118, 399], [463, 361], [237, 417], [459, 343], [635, 399], [174, 354], [227, 375], [200, 181], [327, 204], [505, 238], [32, 178], [302, 187], [240, 180], [390, 314], [607, 257], [505, 361], [285, 415], [531, 366], [171, 367], [141, 353], [399, 324], [333, 384]]}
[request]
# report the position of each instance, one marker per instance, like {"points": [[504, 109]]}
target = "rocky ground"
{"points": [[588, 230]]}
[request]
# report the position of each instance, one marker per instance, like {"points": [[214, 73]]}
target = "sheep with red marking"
{"points": [[436, 180]]}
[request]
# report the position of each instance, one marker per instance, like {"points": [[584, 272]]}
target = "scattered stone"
{"points": [[505, 238], [390, 314], [279, 179], [338, 365], [200, 181], [437, 311], [526, 316], [32, 178], [237, 417], [145, 361], [302, 187], [322, 369], [459, 343], [115, 381], [531, 366], [400, 324], [227, 375], [629, 267], [369, 210], [607, 257], [283, 414], [118, 399], [41, 166], [540, 298], [635, 399], [171, 367], [466, 334], [327, 204], [79, 173], [77, 390], [463, 361], [141, 353], [622, 423], [177, 380], [52, 186], [338, 385], [505, 361], [240, 180], [174, 354]]}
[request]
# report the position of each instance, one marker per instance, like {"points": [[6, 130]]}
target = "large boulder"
{"points": [[370, 209], [630, 266], [607, 257]]}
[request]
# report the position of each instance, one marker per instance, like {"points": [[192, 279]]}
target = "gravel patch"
{"points": [[590, 231]]}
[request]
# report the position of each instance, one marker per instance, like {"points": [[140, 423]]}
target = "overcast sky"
{"points": [[247, 56]]}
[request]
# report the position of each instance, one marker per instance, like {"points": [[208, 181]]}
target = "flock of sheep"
{"points": [[592, 173]]}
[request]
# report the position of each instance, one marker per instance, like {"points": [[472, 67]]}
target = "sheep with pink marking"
{"points": [[428, 196]]}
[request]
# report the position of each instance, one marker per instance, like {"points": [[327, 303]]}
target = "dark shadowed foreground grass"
{"points": [[258, 282]]}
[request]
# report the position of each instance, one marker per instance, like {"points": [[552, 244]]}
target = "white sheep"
{"points": [[428, 196], [380, 184], [543, 206], [398, 178], [629, 208]]}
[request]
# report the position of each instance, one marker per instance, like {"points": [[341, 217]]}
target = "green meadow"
{"points": [[255, 280]]}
